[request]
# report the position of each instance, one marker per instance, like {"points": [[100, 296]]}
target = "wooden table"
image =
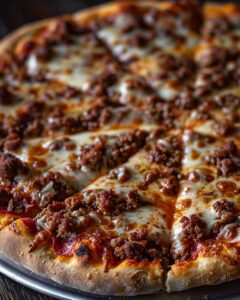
{"points": [[13, 14]]}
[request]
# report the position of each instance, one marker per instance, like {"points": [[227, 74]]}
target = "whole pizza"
{"points": [[120, 147]]}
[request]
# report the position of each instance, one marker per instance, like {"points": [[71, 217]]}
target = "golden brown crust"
{"points": [[9, 43], [214, 10], [203, 271], [106, 10], [122, 280]]}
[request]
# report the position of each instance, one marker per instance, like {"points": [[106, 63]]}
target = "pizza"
{"points": [[120, 147]]}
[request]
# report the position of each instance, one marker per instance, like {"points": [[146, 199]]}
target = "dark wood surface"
{"points": [[13, 14]]}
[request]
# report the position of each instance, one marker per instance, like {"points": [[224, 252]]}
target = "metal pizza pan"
{"points": [[226, 291]]}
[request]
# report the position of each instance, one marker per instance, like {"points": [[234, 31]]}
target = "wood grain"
{"points": [[9, 290]]}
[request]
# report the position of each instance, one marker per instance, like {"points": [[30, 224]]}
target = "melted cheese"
{"points": [[202, 193], [74, 63]]}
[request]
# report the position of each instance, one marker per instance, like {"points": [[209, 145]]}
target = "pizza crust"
{"points": [[122, 280], [203, 271], [214, 10], [101, 11], [9, 43]]}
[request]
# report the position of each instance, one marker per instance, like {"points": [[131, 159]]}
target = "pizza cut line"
{"points": [[120, 147]]}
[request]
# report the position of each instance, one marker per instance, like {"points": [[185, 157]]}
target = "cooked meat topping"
{"points": [[121, 175], [61, 143], [218, 26], [19, 203], [15, 201], [170, 185], [194, 230], [28, 121], [226, 224], [126, 145], [227, 159], [5, 196], [96, 117], [101, 154], [217, 73], [99, 84], [51, 187], [193, 227], [225, 210], [149, 178], [224, 128], [61, 222], [186, 100], [161, 112], [175, 67], [11, 167], [167, 154], [93, 156], [6, 97], [109, 202], [137, 246], [218, 56], [229, 101]]}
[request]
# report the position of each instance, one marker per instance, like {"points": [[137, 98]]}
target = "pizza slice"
{"points": [[169, 74], [213, 103], [154, 41], [135, 30], [61, 50], [108, 230], [44, 171], [217, 114], [205, 232], [33, 110]]}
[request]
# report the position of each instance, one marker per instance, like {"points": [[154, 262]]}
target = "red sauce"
{"points": [[3, 210], [181, 264], [63, 248], [30, 225]]}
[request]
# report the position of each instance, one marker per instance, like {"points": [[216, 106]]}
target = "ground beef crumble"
{"points": [[101, 154], [122, 174], [15, 201], [194, 230], [226, 213], [51, 187], [11, 167], [107, 202], [227, 159], [167, 154], [137, 246]]}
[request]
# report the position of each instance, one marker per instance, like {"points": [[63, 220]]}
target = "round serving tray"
{"points": [[227, 291]]}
